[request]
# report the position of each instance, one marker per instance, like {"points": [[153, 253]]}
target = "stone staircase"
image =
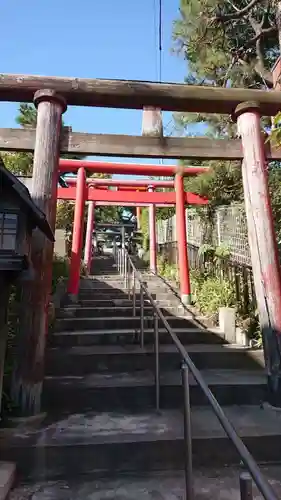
{"points": [[99, 395]]}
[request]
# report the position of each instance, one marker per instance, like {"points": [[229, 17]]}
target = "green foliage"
{"points": [[60, 271], [210, 292], [222, 185], [225, 45], [145, 229], [219, 41], [222, 251], [214, 293], [275, 133], [207, 252], [275, 196], [167, 270], [18, 163], [27, 116]]}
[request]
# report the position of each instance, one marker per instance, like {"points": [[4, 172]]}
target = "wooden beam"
{"points": [[132, 146], [129, 146], [136, 94]]}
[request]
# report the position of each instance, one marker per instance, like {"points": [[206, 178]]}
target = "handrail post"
{"points": [[141, 317], [246, 486], [122, 262], [125, 270], [157, 370], [119, 252], [129, 278], [187, 434], [134, 294]]}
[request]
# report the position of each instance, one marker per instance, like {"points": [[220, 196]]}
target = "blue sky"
{"points": [[91, 39]]}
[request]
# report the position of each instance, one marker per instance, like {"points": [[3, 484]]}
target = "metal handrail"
{"points": [[126, 268]]}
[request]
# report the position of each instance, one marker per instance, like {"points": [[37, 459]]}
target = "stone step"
{"points": [[112, 443], [83, 360], [117, 311], [131, 336], [113, 302], [112, 293], [117, 322], [115, 285], [102, 293], [135, 391], [151, 485]]}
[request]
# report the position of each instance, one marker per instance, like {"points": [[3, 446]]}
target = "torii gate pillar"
{"points": [[152, 236], [88, 252], [182, 240], [77, 236], [138, 214], [262, 242]]}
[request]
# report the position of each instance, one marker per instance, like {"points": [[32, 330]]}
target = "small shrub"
{"points": [[60, 270], [213, 294]]}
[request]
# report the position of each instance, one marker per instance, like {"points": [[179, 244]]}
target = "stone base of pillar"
{"points": [[186, 299]]}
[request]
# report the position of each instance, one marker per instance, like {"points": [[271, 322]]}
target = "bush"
{"points": [[214, 293], [60, 271], [168, 271]]}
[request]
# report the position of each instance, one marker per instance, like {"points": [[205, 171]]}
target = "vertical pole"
{"points": [[182, 240], [138, 210], [134, 294], [187, 434], [28, 372], [123, 251], [77, 238], [262, 242], [246, 486], [129, 274], [152, 236], [125, 270], [88, 253], [157, 369], [141, 317]]}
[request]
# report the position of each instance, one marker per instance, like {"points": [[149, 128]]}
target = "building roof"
{"points": [[7, 179]]}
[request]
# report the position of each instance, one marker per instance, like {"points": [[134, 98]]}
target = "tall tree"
{"points": [[227, 43], [231, 43]]}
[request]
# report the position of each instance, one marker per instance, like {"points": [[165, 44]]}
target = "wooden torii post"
{"points": [[28, 373]]}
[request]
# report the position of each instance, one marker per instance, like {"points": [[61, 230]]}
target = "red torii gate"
{"points": [[92, 190], [129, 168]]}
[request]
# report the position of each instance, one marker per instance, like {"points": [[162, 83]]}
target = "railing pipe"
{"points": [[134, 293], [263, 485], [125, 271], [157, 366], [187, 434], [141, 316]]}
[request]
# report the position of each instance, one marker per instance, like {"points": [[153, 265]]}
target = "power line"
{"points": [[160, 40], [155, 37], [157, 21]]}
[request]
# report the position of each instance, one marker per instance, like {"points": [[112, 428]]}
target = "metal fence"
{"points": [[239, 275], [229, 228]]}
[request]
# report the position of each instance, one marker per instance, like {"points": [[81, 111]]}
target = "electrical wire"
{"points": [[157, 17], [160, 40], [155, 38]]}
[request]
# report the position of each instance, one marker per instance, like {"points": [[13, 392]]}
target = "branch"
{"points": [[238, 14], [256, 38]]}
